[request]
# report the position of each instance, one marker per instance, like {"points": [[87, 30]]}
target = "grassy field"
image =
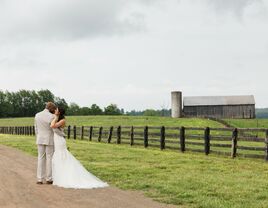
{"points": [[190, 180], [142, 121], [248, 123], [119, 120]]}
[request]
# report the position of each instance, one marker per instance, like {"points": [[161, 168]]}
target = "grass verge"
{"points": [[191, 180]]}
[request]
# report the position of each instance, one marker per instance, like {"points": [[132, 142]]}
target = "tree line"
{"points": [[262, 113], [26, 103]]}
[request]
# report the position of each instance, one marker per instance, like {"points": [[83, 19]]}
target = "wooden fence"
{"points": [[251, 142]]}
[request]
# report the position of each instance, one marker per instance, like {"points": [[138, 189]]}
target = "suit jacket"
{"points": [[44, 133]]}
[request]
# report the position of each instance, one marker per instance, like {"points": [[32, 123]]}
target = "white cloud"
{"points": [[66, 19]]}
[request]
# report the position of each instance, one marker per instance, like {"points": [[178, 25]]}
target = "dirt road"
{"points": [[19, 190]]}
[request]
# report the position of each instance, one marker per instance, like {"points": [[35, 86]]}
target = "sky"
{"points": [[134, 53]]}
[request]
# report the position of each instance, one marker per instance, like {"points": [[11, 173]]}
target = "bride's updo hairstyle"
{"points": [[62, 113]]}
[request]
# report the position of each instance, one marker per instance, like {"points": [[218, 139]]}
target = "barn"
{"points": [[219, 106]]}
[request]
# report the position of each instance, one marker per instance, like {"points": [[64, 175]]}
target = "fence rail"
{"points": [[224, 141]]}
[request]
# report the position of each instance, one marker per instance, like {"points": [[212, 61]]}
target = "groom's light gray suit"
{"points": [[45, 144]]}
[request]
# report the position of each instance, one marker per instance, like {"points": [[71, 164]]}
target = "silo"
{"points": [[176, 104]]}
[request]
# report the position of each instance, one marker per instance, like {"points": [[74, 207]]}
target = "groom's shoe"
{"points": [[49, 182], [39, 182]]}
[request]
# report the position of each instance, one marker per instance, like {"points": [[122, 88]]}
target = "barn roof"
{"points": [[219, 100]]}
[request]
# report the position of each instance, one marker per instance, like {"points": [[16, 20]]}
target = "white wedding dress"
{"points": [[68, 172]]}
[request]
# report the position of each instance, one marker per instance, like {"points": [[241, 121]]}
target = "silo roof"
{"points": [[219, 100]]}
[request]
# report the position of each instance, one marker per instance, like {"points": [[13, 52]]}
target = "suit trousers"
{"points": [[44, 166]]}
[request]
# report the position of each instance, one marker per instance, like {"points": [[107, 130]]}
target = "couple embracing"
{"points": [[56, 165]]}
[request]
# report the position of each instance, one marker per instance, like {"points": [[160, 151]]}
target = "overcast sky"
{"points": [[134, 53]]}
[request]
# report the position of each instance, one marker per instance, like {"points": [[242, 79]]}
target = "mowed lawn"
{"points": [[119, 120], [190, 180]]}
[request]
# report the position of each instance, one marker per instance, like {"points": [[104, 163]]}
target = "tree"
{"points": [[4, 105], [73, 109], [112, 109], [95, 110], [84, 111], [44, 97], [61, 103]]}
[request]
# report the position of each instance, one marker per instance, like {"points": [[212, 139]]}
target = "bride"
{"points": [[67, 171]]}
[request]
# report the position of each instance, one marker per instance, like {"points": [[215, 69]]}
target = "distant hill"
{"points": [[262, 112]]}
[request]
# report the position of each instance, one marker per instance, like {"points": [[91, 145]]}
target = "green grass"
{"points": [[248, 123], [190, 180], [119, 120]]}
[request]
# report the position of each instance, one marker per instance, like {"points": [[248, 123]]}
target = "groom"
{"points": [[45, 143]]}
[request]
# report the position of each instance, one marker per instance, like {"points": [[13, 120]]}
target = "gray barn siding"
{"points": [[220, 111]]}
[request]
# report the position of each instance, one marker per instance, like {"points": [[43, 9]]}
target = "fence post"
{"points": [[234, 143], [182, 138], [90, 133], [30, 129], [100, 134], [69, 132], [162, 138], [132, 136], [266, 145], [118, 135], [207, 140], [82, 132], [74, 132], [27, 130], [110, 134], [146, 136]]}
